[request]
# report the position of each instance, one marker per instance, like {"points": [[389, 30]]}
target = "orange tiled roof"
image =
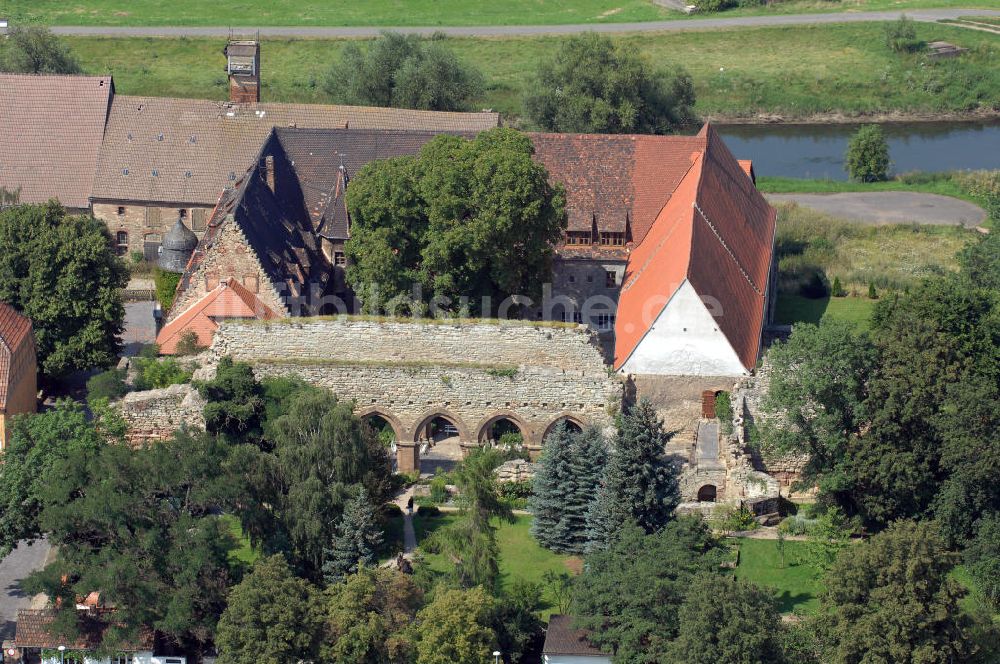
{"points": [[717, 231], [15, 332], [230, 299]]}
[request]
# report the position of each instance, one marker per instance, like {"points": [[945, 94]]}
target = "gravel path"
{"points": [[928, 15], [891, 207]]}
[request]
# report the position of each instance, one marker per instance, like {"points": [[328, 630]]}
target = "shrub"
{"points": [[188, 344], [872, 293], [837, 290], [867, 158], [724, 412], [514, 490], [439, 490], [166, 287], [734, 518], [982, 558], [715, 5], [391, 510], [428, 510], [901, 36], [510, 439], [796, 525], [108, 384], [154, 374]]}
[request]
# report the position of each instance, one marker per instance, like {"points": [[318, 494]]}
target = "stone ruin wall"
{"points": [[155, 414], [408, 371]]}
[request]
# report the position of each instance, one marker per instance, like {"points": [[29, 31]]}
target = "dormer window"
{"points": [[612, 239], [578, 238]]}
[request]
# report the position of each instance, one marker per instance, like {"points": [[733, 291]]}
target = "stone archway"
{"points": [[572, 422], [440, 440], [707, 493], [373, 414], [493, 428]]}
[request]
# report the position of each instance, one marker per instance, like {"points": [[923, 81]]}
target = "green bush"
{"points": [[154, 374], [514, 490], [734, 518], [872, 293], [391, 510], [796, 525], [714, 5], [901, 36], [428, 510], [837, 290], [724, 412], [867, 158], [439, 490], [166, 287], [108, 385], [982, 558]]}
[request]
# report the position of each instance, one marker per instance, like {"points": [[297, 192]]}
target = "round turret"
{"points": [[176, 248]]}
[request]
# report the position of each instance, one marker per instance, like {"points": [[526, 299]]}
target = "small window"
{"points": [[572, 278], [578, 238], [121, 243], [198, 216], [612, 239], [610, 278], [121, 210], [183, 213], [339, 259], [605, 321], [122, 659], [590, 278]]}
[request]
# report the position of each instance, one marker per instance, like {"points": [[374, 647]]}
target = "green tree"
{"points": [[404, 71], [321, 451], [60, 271], [640, 483], [234, 407], [867, 157], [593, 85], [33, 49], [982, 558], [463, 220], [829, 365], [901, 35], [454, 628], [368, 618], [357, 536], [140, 525], [891, 600], [629, 594], [724, 619], [271, 617], [515, 619], [39, 444], [980, 261], [471, 540], [108, 385]]}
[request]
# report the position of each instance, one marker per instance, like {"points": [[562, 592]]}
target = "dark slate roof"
{"points": [[561, 638], [50, 134], [161, 149], [32, 631]]}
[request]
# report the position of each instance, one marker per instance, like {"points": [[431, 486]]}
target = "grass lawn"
{"points": [[244, 552], [400, 12], [797, 309], [796, 586], [974, 603], [792, 71], [520, 556], [780, 185]]}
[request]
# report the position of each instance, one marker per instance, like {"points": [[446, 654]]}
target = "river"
{"points": [[817, 151]]}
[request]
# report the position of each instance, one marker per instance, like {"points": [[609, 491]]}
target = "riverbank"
{"points": [[819, 72], [839, 118]]}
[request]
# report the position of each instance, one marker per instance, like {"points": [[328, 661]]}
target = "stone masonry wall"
{"points": [[155, 414], [409, 372], [140, 221]]}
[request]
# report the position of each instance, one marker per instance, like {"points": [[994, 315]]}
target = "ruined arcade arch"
{"points": [[493, 427], [420, 431], [572, 422], [707, 494], [372, 414]]}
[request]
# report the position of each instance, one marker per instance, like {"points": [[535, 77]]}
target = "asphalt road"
{"points": [[21, 562], [891, 207], [928, 15]]}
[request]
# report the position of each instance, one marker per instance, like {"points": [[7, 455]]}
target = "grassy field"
{"points": [[399, 12], [789, 71], [795, 585], [797, 309], [933, 184], [520, 556]]}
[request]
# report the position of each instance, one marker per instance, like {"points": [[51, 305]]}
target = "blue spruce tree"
{"points": [[553, 489], [640, 483], [357, 536], [589, 455]]}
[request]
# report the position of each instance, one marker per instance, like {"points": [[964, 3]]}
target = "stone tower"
{"points": [[243, 67], [175, 251]]}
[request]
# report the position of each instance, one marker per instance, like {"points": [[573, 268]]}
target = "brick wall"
{"points": [[409, 372], [22, 389]]}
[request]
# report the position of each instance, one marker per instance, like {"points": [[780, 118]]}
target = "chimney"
{"points": [[269, 171]]}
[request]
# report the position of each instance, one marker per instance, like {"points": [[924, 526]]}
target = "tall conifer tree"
{"points": [[552, 490], [640, 484], [357, 537]]}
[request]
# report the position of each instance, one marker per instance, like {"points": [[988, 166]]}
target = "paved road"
{"points": [[891, 207], [20, 563], [523, 30]]}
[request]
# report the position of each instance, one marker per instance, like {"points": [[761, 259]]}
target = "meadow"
{"points": [[791, 72]]}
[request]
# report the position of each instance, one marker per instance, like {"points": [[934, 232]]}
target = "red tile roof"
{"points": [[51, 129], [613, 177], [32, 631], [717, 231], [15, 332], [230, 299]]}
